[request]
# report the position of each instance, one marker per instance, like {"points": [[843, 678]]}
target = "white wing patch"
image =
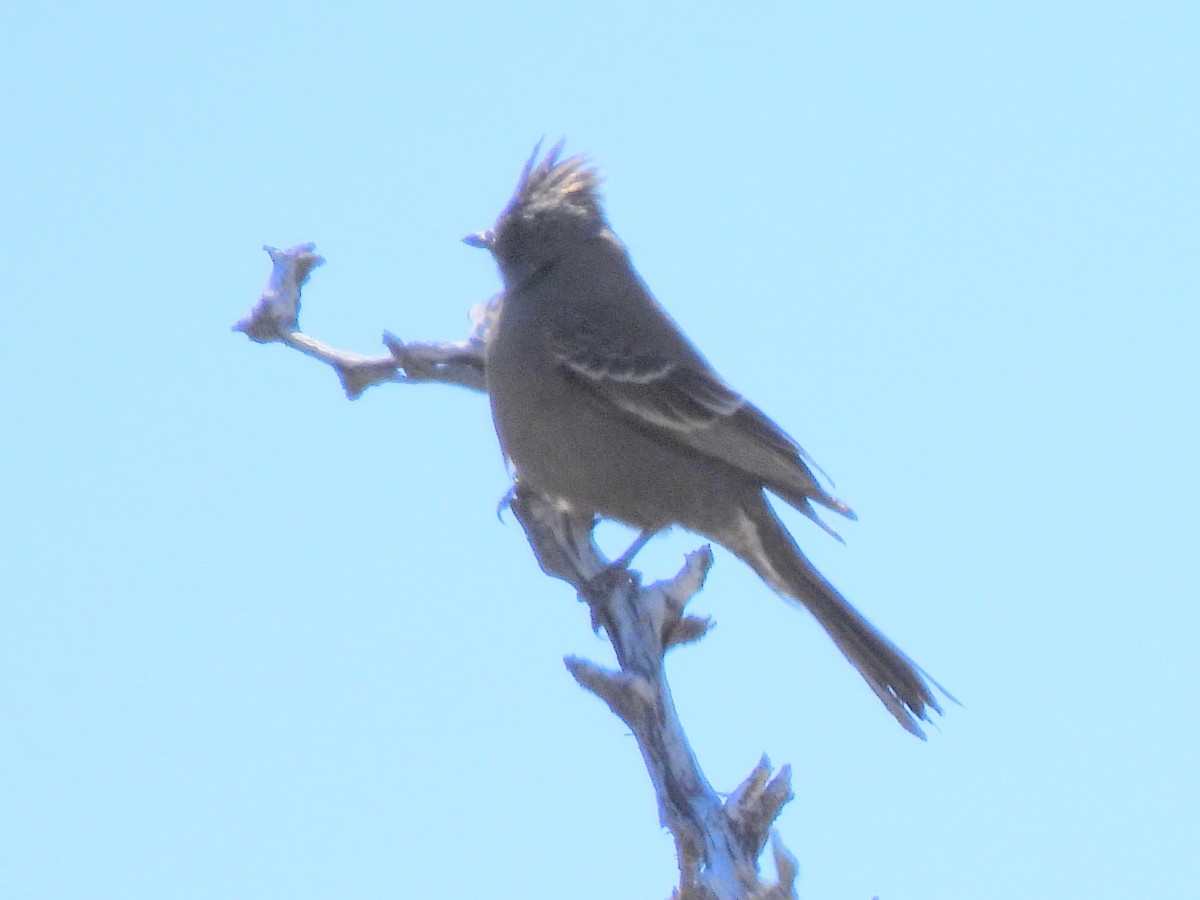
{"points": [[658, 392]]}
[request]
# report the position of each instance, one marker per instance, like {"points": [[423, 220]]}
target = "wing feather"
{"points": [[684, 397]]}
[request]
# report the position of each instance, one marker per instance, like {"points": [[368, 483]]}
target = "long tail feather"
{"points": [[762, 541]]}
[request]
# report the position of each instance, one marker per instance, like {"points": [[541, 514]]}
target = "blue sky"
{"points": [[258, 641]]}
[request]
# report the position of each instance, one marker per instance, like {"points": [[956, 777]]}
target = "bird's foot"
{"points": [[597, 589], [616, 574], [506, 502]]}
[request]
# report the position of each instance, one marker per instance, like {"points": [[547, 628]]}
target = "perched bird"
{"points": [[602, 404]]}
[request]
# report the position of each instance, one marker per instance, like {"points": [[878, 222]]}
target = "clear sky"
{"points": [[258, 641]]}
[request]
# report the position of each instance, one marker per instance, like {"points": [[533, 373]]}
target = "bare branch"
{"points": [[275, 319], [717, 842]]}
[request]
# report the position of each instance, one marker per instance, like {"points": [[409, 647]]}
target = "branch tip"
{"points": [[687, 630], [626, 695]]}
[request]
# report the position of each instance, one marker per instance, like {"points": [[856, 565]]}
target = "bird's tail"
{"points": [[763, 543]]}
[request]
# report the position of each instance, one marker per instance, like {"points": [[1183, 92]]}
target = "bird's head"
{"points": [[555, 207]]}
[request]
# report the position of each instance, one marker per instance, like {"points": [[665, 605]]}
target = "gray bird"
{"points": [[601, 403]]}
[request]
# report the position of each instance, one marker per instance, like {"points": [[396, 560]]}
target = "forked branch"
{"points": [[718, 842]]}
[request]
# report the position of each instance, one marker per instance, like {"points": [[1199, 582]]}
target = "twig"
{"points": [[718, 843], [275, 319]]}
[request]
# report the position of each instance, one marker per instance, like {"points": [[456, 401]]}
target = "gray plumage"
{"points": [[601, 402]]}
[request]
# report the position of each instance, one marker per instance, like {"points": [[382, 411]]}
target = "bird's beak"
{"points": [[481, 239]]}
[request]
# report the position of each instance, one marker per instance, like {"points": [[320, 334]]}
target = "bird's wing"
{"points": [[650, 388], [688, 402]]}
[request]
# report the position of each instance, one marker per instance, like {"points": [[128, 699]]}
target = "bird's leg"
{"points": [[623, 561], [602, 584]]}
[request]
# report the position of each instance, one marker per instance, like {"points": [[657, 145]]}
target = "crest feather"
{"points": [[557, 187]]}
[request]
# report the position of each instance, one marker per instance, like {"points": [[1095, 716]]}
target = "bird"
{"points": [[602, 405]]}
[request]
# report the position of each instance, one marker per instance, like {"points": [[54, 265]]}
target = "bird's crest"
{"points": [[552, 187]]}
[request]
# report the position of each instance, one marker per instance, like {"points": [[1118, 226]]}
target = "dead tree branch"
{"points": [[718, 842]]}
